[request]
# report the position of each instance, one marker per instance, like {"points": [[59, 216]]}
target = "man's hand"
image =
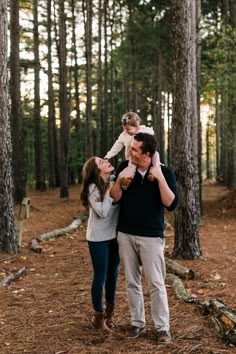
{"points": [[167, 196], [156, 172]]}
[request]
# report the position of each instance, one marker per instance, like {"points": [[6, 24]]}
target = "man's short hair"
{"points": [[149, 143]]}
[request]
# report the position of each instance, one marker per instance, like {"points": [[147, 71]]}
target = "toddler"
{"points": [[131, 125]]}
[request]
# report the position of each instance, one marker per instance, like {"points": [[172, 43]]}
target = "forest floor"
{"points": [[48, 310]]}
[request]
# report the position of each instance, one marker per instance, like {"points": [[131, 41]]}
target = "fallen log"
{"points": [[180, 290], [57, 233], [35, 246], [13, 277], [223, 317], [180, 270]]}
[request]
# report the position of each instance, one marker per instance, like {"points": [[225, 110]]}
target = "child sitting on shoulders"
{"points": [[131, 126]]}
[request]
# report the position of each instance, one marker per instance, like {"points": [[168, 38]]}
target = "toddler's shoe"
{"points": [[151, 178], [125, 183]]}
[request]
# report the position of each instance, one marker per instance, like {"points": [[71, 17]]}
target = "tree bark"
{"points": [[184, 152], [105, 113], [160, 121], [99, 82], [52, 136], [198, 88], [39, 169], [232, 106], [64, 129], [18, 161], [77, 90], [88, 13], [8, 242]]}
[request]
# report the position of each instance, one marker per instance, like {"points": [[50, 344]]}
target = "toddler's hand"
{"points": [[156, 172], [128, 172]]}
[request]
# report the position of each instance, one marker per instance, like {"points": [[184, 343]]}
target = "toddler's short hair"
{"points": [[131, 118]]}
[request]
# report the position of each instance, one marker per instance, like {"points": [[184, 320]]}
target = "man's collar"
{"points": [[145, 167]]}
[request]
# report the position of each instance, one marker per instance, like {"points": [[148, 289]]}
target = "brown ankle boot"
{"points": [[109, 311], [99, 323], [125, 182]]}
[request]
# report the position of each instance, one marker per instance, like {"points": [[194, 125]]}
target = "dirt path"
{"points": [[48, 311]]}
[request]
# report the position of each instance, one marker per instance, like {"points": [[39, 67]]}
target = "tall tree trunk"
{"points": [[169, 119], [228, 100], [232, 9], [126, 90], [64, 130], [154, 109], [218, 135], [133, 93], [224, 156], [232, 107], [18, 160], [39, 170], [231, 168], [52, 136], [224, 104], [8, 242], [76, 68], [88, 13], [198, 73], [184, 152], [76, 75], [160, 120], [104, 121], [132, 60], [225, 11], [99, 82], [195, 117], [112, 134], [208, 153]]}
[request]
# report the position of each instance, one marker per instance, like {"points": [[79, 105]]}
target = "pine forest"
{"points": [[70, 70]]}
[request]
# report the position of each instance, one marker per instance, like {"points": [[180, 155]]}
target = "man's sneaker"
{"points": [[135, 332], [163, 337]]}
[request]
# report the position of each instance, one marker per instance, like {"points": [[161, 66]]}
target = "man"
{"points": [[141, 233]]}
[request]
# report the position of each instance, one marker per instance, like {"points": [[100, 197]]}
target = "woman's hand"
{"points": [[109, 187]]}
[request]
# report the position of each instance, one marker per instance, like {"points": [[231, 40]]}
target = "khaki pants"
{"points": [[147, 253]]}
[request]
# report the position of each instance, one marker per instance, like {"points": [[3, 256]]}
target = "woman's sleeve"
{"points": [[101, 208]]}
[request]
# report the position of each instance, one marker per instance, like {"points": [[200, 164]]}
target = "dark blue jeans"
{"points": [[105, 261]]}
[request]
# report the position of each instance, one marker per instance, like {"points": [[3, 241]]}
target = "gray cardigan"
{"points": [[103, 217]]}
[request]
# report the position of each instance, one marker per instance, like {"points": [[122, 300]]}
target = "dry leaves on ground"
{"points": [[48, 310]]}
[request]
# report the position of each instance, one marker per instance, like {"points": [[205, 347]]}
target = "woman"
{"points": [[101, 236]]}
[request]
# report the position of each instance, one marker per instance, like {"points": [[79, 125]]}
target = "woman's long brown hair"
{"points": [[90, 174]]}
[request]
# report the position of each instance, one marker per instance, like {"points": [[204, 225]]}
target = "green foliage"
{"points": [[218, 59], [140, 36], [219, 80]]}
